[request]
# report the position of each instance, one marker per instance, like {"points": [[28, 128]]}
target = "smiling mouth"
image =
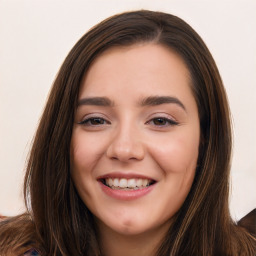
{"points": [[127, 184]]}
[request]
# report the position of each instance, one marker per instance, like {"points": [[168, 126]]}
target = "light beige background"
{"points": [[36, 35]]}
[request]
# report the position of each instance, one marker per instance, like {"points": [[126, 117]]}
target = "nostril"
{"points": [[125, 152]]}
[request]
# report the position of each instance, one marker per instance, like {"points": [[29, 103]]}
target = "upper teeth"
{"points": [[127, 183]]}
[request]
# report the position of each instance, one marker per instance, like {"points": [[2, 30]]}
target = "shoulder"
{"points": [[17, 235], [244, 235], [248, 222]]}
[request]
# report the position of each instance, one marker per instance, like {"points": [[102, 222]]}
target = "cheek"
{"points": [[84, 151], [177, 159], [176, 154], [84, 154], [82, 159], [79, 162]]}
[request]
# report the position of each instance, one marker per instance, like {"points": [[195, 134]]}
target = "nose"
{"points": [[126, 145]]}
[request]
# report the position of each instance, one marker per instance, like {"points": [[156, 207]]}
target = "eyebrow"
{"points": [[158, 100], [148, 101], [96, 101]]}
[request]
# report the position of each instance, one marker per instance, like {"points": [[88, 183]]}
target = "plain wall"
{"points": [[35, 37]]}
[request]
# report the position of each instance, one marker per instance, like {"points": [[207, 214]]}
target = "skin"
{"points": [[129, 137]]}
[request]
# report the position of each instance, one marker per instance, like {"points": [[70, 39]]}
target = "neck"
{"points": [[116, 244]]}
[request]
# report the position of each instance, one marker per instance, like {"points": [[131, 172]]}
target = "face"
{"points": [[135, 140]]}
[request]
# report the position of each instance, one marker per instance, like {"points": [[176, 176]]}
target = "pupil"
{"points": [[96, 121], [160, 121]]}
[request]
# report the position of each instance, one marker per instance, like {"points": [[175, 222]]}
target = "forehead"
{"points": [[141, 67]]}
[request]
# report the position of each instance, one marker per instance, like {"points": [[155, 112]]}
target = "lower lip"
{"points": [[126, 195]]}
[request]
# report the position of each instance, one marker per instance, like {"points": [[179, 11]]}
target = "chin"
{"points": [[130, 230], [130, 227]]}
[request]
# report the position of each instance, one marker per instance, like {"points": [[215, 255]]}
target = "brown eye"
{"points": [[159, 121], [94, 121], [162, 122]]}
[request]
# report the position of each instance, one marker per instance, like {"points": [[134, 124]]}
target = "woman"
{"points": [[132, 153]]}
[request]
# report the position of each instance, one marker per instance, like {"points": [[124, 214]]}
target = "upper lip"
{"points": [[125, 175]]}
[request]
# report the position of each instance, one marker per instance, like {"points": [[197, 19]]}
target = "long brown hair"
{"points": [[203, 226]]}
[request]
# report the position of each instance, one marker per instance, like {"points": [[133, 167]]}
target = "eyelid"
{"points": [[162, 115], [91, 116], [172, 121]]}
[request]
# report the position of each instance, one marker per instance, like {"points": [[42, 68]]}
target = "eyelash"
{"points": [[88, 121], [167, 121], [101, 121]]}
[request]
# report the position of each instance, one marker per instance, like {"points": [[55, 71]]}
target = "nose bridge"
{"points": [[126, 143]]}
